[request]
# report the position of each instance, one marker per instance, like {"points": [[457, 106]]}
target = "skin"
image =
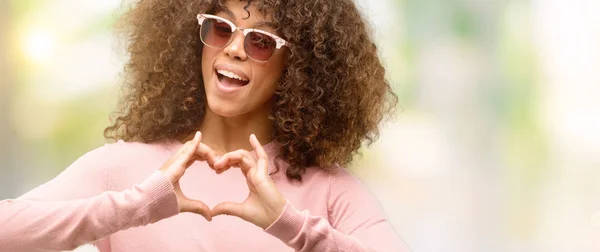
{"points": [[229, 120]]}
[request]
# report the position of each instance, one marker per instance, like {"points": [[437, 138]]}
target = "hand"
{"points": [[264, 203], [174, 169]]}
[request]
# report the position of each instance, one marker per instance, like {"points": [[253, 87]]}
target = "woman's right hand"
{"points": [[174, 169]]}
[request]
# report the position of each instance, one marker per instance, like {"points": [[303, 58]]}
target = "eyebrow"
{"points": [[267, 24], [258, 24]]}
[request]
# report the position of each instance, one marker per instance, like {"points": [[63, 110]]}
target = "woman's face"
{"points": [[227, 96]]}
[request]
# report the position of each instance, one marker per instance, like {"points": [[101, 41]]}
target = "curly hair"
{"points": [[332, 96]]}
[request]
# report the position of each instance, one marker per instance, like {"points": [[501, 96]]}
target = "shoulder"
{"points": [[343, 181], [338, 177], [132, 162], [341, 176], [122, 145], [349, 202], [122, 150], [347, 189], [119, 151], [339, 181]]}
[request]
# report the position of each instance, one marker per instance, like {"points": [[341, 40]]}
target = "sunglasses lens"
{"points": [[259, 46], [215, 33]]}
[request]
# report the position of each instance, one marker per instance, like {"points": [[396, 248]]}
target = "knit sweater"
{"points": [[115, 198]]}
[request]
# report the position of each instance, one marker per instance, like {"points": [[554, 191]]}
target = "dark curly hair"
{"points": [[331, 98]]}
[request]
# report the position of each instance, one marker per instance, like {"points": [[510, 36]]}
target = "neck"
{"points": [[225, 134]]}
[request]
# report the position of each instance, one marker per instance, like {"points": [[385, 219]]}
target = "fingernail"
{"points": [[197, 134]]}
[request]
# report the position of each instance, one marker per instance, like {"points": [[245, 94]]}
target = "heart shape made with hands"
{"points": [[264, 202]]}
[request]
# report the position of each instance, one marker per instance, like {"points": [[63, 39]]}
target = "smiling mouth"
{"points": [[230, 79]]}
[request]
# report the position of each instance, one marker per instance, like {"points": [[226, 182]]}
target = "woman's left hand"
{"points": [[264, 203]]}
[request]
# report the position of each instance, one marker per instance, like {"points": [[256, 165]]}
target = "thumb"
{"points": [[227, 208], [196, 206]]}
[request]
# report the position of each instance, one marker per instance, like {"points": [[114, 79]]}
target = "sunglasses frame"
{"points": [[279, 42]]}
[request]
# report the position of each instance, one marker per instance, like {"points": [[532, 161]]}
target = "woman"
{"points": [[302, 76]]}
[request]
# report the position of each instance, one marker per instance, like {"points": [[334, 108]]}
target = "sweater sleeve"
{"points": [[76, 208], [356, 222]]}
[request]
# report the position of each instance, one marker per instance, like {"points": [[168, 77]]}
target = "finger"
{"points": [[263, 158], [176, 159], [227, 208], [196, 206], [206, 153], [222, 169], [239, 157], [189, 163], [211, 166], [262, 181], [188, 152], [260, 151], [183, 147], [225, 167], [228, 158]]}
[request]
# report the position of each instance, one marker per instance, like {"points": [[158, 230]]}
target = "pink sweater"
{"points": [[115, 198]]}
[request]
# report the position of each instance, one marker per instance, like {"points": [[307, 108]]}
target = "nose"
{"points": [[235, 49]]}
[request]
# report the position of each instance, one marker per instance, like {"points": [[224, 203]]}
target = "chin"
{"points": [[224, 109]]}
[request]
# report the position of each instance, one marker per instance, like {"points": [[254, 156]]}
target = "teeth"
{"points": [[231, 75]]}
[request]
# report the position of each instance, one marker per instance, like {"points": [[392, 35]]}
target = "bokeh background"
{"points": [[495, 146]]}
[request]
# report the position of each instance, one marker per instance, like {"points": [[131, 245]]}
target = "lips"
{"points": [[231, 82], [230, 78], [231, 75]]}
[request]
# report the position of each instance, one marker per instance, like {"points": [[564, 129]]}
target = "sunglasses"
{"points": [[218, 32]]}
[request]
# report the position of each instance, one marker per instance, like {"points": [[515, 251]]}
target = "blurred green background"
{"points": [[496, 145]]}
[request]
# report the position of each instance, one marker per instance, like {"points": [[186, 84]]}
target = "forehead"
{"points": [[246, 10], [244, 14]]}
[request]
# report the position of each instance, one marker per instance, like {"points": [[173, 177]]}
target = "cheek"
{"points": [[272, 72], [269, 79], [206, 61]]}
